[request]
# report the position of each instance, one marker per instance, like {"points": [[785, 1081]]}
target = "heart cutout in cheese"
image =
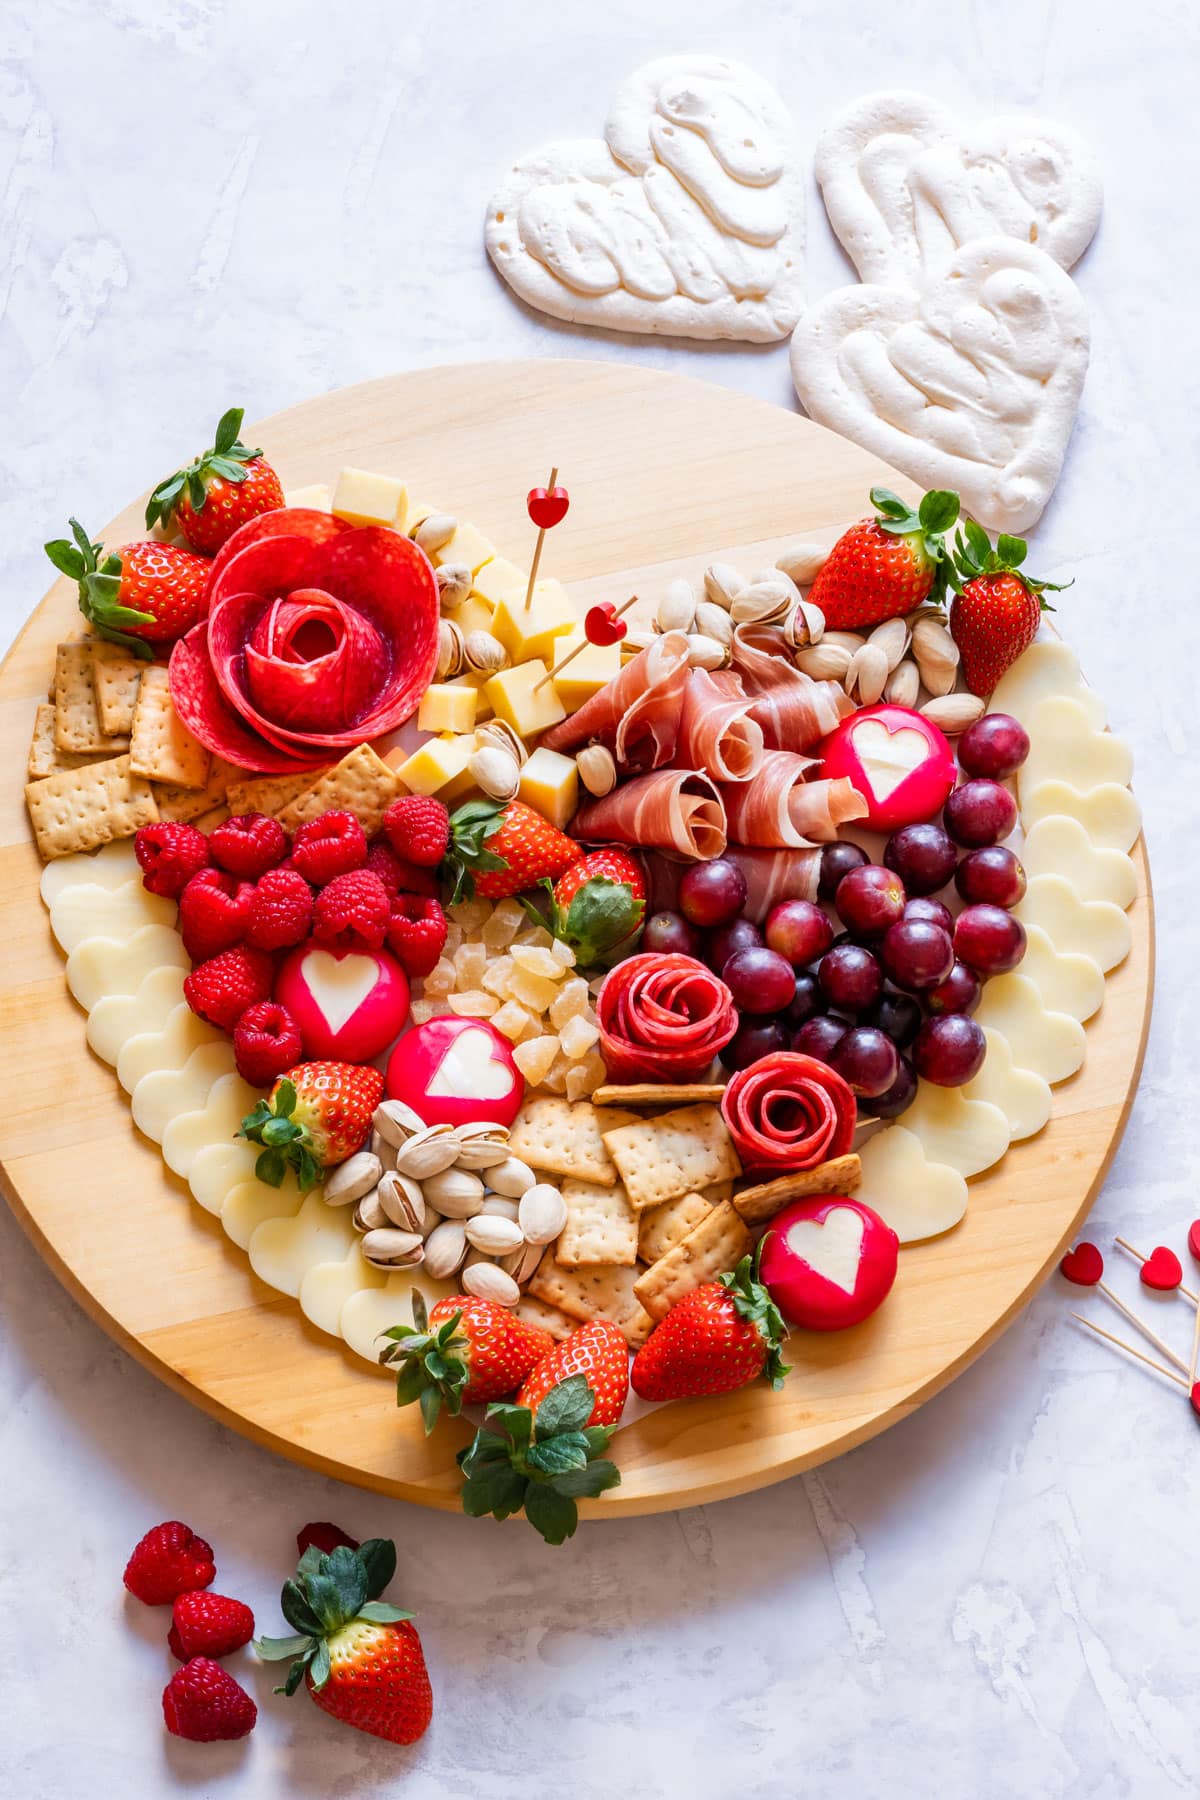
{"points": [[888, 757], [917, 1197], [339, 984], [470, 1067], [1048, 667], [832, 1247]]}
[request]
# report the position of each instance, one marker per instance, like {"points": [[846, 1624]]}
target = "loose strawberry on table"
{"points": [[169, 854], [719, 1337], [140, 595], [324, 1535], [463, 1352], [886, 565], [995, 614], [498, 849], [208, 1624], [204, 1703], [218, 491], [318, 1114], [169, 1560], [599, 1353], [539, 1462]]}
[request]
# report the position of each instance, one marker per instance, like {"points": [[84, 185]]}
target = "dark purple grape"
{"points": [[670, 934], [867, 1060], [923, 856], [980, 812], [838, 860], [712, 893], [991, 877], [995, 745], [799, 930], [869, 900], [988, 939], [754, 1038], [899, 1015], [949, 1050], [958, 993], [916, 955], [820, 1037], [932, 911], [805, 1003], [761, 981], [898, 1098], [726, 940], [850, 977]]}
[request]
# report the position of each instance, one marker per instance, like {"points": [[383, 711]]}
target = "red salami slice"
{"points": [[206, 713], [788, 1112], [663, 1018], [285, 521]]}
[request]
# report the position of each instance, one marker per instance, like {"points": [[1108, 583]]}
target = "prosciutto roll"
{"points": [[788, 1112], [676, 810], [772, 876], [780, 809], [716, 730], [794, 711], [662, 1018], [636, 714]]}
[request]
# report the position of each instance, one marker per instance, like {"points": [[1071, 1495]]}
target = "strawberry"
{"points": [[996, 612], [599, 1353], [208, 1624], [169, 854], [360, 1657], [597, 906], [169, 1560], [887, 565], [717, 1338], [416, 933], [539, 1461], [248, 844], [465, 1352], [218, 491], [203, 1702], [418, 829], [318, 1114], [498, 849], [221, 989], [352, 912], [266, 1043], [139, 595]]}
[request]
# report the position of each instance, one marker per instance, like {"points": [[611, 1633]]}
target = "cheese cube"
{"points": [[415, 511], [499, 576], [595, 665], [472, 614], [440, 767], [445, 707], [529, 631], [477, 681], [550, 784], [516, 698], [468, 545], [315, 498], [365, 499]]}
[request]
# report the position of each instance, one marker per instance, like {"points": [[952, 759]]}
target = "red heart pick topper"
{"points": [[602, 626], [1194, 1238], [1161, 1270], [547, 506], [1194, 1397], [1083, 1265]]}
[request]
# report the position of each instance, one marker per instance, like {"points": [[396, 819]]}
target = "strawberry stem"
{"points": [[539, 1463], [226, 459], [974, 556]]}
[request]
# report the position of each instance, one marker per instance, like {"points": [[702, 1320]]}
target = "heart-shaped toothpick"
{"points": [[1194, 1238], [1083, 1265], [603, 624], [1161, 1270], [1194, 1396], [547, 506]]}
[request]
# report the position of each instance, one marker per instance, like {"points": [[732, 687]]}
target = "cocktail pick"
{"points": [[1083, 1265], [598, 625], [1140, 1324], [1160, 1270], [1130, 1350], [546, 507]]}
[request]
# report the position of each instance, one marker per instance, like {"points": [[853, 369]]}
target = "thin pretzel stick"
{"points": [[1130, 1351], [1126, 1245], [1142, 1326]]}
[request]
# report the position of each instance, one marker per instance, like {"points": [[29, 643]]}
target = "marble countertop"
{"points": [[207, 203]]}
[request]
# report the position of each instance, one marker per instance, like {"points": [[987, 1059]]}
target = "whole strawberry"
{"points": [[418, 829], [169, 854], [218, 491], [169, 1560], [139, 595], [248, 844], [204, 1703], [501, 848], [416, 932], [887, 565], [995, 614], [464, 1352], [318, 1114], [352, 911], [722, 1335], [598, 905], [360, 1657], [208, 1624], [221, 989], [599, 1353], [539, 1461], [331, 844], [266, 1043]]}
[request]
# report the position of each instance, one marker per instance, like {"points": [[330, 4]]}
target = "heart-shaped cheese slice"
{"points": [[339, 984], [469, 1067], [888, 757], [831, 1246]]}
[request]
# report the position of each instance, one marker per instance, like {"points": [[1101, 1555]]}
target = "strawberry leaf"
{"points": [[379, 1612], [540, 1465], [272, 1649], [319, 1668], [378, 1557], [551, 1512], [559, 1454], [567, 1407], [586, 1484], [938, 510]]}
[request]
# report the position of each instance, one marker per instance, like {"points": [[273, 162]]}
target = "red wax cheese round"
{"points": [[454, 1071], [900, 763], [828, 1262], [349, 1005]]}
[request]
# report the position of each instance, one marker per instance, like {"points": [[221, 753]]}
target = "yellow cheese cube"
{"points": [[445, 707], [550, 784], [365, 499], [473, 614], [415, 511], [529, 631], [595, 665], [499, 576], [440, 767], [468, 545], [518, 699], [316, 497], [477, 681]]}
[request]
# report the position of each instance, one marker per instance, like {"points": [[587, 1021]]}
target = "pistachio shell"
{"points": [[402, 1201], [352, 1179], [434, 531], [677, 608], [597, 769], [722, 584], [428, 1152], [496, 771], [445, 1248], [395, 1122], [484, 653], [487, 1281], [904, 684], [454, 583], [803, 562], [952, 713], [714, 622], [706, 653], [393, 1249], [450, 650]]}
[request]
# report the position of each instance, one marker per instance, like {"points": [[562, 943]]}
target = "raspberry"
{"points": [[168, 855], [330, 845], [248, 844], [266, 1042], [170, 1560], [208, 1625], [398, 876], [352, 912], [281, 910], [203, 1702], [418, 829], [325, 1536], [222, 988], [416, 932], [214, 912]]}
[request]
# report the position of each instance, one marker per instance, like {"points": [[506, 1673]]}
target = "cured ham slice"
{"points": [[636, 713], [780, 809], [716, 730], [676, 810], [788, 1111], [772, 876], [794, 711], [662, 1018]]}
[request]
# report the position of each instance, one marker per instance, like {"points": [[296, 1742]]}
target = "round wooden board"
{"points": [[665, 474]]}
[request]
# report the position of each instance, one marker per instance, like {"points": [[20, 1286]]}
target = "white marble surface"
{"points": [[207, 202]]}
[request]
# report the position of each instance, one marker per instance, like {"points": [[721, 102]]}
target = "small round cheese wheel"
{"points": [[899, 761], [455, 1071], [349, 1006], [828, 1262]]}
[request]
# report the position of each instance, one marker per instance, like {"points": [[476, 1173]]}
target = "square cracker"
{"points": [[536, 1312], [160, 746], [362, 783], [186, 804], [80, 809], [660, 1228], [45, 758], [562, 1137], [116, 673], [594, 1294], [761, 1202], [76, 716], [717, 1243], [268, 793], [601, 1228], [677, 1153]]}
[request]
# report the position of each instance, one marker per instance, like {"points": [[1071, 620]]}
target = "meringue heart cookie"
{"points": [[972, 384], [687, 218]]}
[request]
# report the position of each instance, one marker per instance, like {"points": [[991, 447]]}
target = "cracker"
{"points": [[80, 809], [562, 1137], [677, 1153], [594, 1294], [362, 783], [839, 1176], [45, 758], [601, 1228], [116, 673], [268, 793], [536, 1312], [658, 1093], [160, 746], [717, 1243], [189, 804], [76, 717], [660, 1228]]}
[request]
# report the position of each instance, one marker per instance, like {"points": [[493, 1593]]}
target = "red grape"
{"points": [[726, 940], [820, 1037], [837, 860], [850, 977], [867, 1060], [980, 812], [869, 900], [958, 993], [804, 1002], [712, 893], [898, 1098], [993, 876], [988, 939], [672, 935], [761, 981], [916, 954], [899, 1015], [799, 930], [753, 1038], [922, 856], [950, 1050], [932, 911], [995, 745]]}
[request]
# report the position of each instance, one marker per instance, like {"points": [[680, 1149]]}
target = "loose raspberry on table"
{"points": [[266, 1043], [352, 912], [418, 829], [169, 1560], [208, 1624], [398, 876], [416, 932], [248, 844], [281, 910], [325, 1536], [330, 845], [214, 913], [169, 854], [203, 1702], [222, 988]]}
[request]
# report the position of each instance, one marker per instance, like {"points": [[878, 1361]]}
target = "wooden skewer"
{"points": [[537, 550], [1195, 1353], [580, 648], [1130, 1350], [1126, 1245], [1145, 1330]]}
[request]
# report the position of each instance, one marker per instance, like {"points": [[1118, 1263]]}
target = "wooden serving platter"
{"points": [[665, 474]]}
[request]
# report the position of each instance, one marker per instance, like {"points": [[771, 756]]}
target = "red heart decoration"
{"points": [[1194, 1397], [1161, 1270], [546, 506], [1194, 1238], [1083, 1265], [602, 626]]}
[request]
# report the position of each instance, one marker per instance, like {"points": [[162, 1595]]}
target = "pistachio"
{"points": [[352, 1179], [496, 1206], [952, 713], [483, 653], [713, 622], [487, 1281], [804, 625], [845, 640], [597, 769], [456, 1193], [677, 608], [497, 772], [430, 1222], [450, 650], [634, 642], [395, 1122], [706, 653], [936, 655], [867, 675], [803, 562], [434, 531], [402, 1201], [484, 1144], [454, 583], [379, 1146], [445, 1248], [722, 584], [500, 736], [393, 1249], [903, 685], [522, 1264], [512, 1178], [824, 661], [369, 1214], [892, 637], [542, 1213], [428, 1152], [493, 1235]]}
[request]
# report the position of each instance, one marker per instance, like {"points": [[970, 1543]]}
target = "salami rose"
{"points": [[788, 1112], [663, 1018]]}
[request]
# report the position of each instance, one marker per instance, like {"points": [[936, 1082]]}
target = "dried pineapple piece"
{"points": [[504, 924], [563, 953], [535, 1058], [470, 963], [498, 977], [472, 915], [440, 979], [516, 1022], [532, 990], [571, 1002], [473, 1003], [538, 960], [577, 1037]]}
